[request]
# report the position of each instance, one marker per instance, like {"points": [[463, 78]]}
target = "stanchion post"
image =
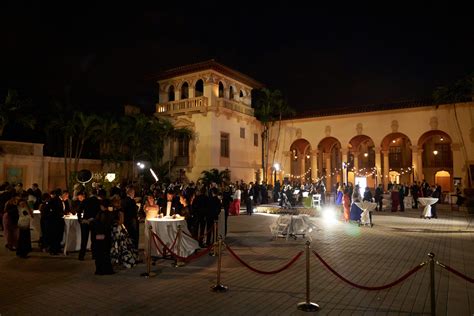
{"points": [[148, 273], [432, 283], [219, 287], [215, 229], [178, 263], [308, 306]]}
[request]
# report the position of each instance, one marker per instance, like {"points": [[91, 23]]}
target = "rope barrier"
{"points": [[188, 259], [286, 266], [199, 237], [459, 274], [371, 288]]}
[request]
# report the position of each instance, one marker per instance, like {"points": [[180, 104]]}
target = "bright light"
{"points": [[138, 164], [154, 175], [141, 165], [393, 141], [110, 177], [307, 156], [330, 215], [366, 155], [276, 166], [441, 139], [435, 152]]}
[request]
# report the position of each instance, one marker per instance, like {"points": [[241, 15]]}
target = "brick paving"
{"points": [[374, 256]]}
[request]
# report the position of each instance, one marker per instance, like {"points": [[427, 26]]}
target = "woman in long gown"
{"points": [[122, 251], [339, 194], [347, 205], [151, 208]]}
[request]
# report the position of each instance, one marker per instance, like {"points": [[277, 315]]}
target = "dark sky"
{"points": [[318, 57]]}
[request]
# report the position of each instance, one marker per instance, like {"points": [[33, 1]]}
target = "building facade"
{"points": [[400, 143]]}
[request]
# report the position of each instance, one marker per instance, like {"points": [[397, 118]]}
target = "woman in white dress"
{"points": [[151, 208]]}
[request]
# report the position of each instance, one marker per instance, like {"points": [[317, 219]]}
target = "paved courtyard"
{"points": [[375, 256]]}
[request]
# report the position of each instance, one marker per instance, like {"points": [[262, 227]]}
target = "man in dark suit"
{"points": [[86, 214], [130, 209], [213, 212]]}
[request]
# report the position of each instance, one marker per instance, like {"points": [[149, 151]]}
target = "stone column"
{"points": [[356, 163], [314, 164], [301, 165], [328, 172], [378, 165], [285, 167], [417, 161], [344, 171], [191, 93], [458, 164], [386, 169]]}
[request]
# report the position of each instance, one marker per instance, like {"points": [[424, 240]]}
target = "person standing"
{"points": [[199, 208], [103, 241], [436, 194], [379, 197], [415, 191], [226, 201], [87, 213], [367, 195], [24, 240], [401, 197], [249, 199], [214, 210], [55, 223], [130, 209]]}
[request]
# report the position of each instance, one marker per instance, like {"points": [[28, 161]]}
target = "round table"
{"points": [[167, 229], [72, 234], [367, 208], [427, 202]]}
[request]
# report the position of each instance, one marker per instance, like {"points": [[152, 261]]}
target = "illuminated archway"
{"points": [[361, 157], [300, 170], [436, 156], [443, 178], [330, 162], [397, 156]]}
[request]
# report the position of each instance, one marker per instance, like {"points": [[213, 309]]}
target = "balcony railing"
{"points": [[235, 106], [183, 106]]}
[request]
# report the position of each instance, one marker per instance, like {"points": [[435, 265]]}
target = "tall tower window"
{"points": [[231, 93], [170, 94], [199, 88], [221, 90], [185, 91]]}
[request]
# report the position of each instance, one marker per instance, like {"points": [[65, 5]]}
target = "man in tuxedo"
{"points": [[86, 214], [130, 209], [214, 209]]}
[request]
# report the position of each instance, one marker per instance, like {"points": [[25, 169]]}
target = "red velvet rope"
{"points": [[156, 245], [371, 288], [459, 274], [188, 259], [199, 237], [286, 266]]}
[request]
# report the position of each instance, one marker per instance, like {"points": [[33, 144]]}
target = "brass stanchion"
{"points": [[219, 287], [148, 273], [308, 306], [215, 228], [432, 283], [178, 263]]}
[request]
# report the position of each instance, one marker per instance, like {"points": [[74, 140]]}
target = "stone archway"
{"points": [[300, 166], [436, 155], [362, 158], [397, 156], [330, 162]]}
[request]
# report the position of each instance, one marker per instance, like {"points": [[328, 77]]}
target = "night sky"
{"points": [[318, 57]]}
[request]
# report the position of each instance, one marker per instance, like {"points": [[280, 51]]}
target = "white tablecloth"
{"points": [[287, 225], [72, 234], [366, 207], [427, 202], [166, 229]]}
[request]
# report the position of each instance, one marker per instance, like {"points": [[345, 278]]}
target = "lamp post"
{"points": [[276, 167]]}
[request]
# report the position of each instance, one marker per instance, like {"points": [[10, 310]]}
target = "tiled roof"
{"points": [[210, 64]]}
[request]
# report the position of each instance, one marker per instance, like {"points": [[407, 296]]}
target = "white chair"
{"points": [[316, 200]]}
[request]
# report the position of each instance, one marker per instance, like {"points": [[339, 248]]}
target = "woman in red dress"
{"points": [[346, 202]]}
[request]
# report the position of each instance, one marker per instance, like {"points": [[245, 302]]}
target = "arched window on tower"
{"points": [[184, 91], [221, 90], [199, 88], [231, 93], [241, 95], [170, 94]]}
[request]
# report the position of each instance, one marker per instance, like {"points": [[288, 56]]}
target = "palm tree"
{"points": [[269, 108], [215, 176], [86, 127], [461, 91], [106, 135], [12, 110]]}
